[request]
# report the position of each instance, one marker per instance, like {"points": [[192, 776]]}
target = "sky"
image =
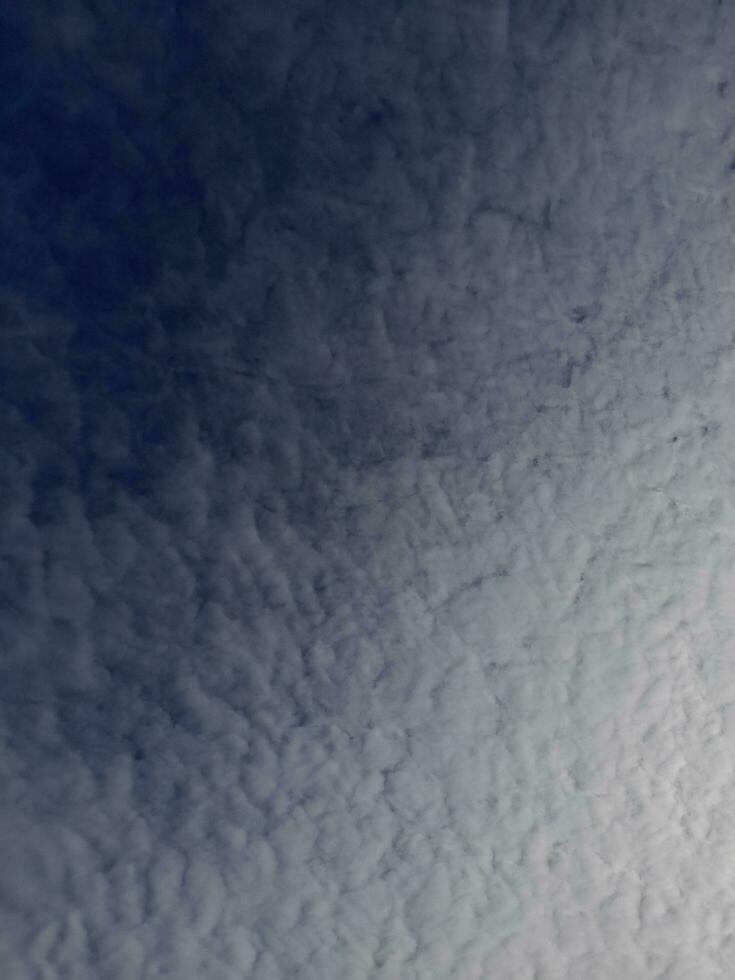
{"points": [[367, 550]]}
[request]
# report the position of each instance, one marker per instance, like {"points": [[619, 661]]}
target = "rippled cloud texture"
{"points": [[367, 511]]}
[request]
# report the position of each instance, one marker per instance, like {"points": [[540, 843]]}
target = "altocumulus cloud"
{"points": [[367, 514]]}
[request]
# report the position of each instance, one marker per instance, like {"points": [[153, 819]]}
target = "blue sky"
{"points": [[367, 566]]}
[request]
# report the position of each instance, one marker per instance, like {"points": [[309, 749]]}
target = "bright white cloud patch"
{"points": [[369, 542]]}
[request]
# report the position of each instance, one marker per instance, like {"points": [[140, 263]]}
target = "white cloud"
{"points": [[366, 571]]}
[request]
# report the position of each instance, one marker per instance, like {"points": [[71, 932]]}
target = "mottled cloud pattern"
{"points": [[368, 532]]}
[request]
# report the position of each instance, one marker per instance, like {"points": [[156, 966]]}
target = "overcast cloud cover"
{"points": [[368, 527]]}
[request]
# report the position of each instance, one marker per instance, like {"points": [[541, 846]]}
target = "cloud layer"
{"points": [[368, 536]]}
